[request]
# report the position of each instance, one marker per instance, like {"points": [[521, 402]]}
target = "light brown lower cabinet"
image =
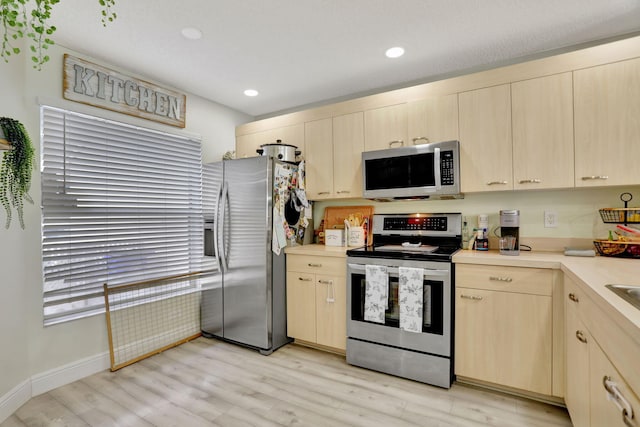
{"points": [[596, 394], [504, 326], [317, 300]]}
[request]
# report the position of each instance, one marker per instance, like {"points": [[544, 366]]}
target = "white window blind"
{"points": [[120, 204]]}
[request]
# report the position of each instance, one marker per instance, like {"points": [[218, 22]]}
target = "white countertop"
{"points": [[592, 273]]}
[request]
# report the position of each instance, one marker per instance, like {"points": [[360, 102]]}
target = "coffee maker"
{"points": [[510, 232]]}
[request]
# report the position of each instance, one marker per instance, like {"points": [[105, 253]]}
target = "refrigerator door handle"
{"points": [[215, 229], [224, 262]]}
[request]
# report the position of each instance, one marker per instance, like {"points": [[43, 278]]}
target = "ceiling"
{"points": [[308, 52]]}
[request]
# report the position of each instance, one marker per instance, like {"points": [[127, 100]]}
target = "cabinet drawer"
{"points": [[535, 281], [316, 264]]}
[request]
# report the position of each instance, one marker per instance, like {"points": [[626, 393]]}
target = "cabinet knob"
{"points": [[580, 336], [501, 279], [497, 183], [530, 181], [398, 142], [573, 297], [594, 177], [420, 138], [473, 297]]}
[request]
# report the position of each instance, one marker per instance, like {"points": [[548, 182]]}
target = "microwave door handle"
{"points": [[436, 168], [360, 268]]}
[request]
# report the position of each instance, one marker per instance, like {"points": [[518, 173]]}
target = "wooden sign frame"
{"points": [[95, 85]]}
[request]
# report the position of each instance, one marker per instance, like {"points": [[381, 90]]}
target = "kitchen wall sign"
{"points": [[101, 87]]}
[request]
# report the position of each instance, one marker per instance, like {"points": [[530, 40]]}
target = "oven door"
{"points": [[435, 337]]}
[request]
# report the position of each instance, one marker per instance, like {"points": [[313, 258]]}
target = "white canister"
{"points": [[334, 237], [356, 236]]}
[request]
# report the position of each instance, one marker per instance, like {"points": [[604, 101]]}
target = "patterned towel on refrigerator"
{"points": [[410, 294], [376, 296]]}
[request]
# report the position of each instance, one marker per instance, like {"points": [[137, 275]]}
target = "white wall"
{"points": [[28, 348], [14, 251]]}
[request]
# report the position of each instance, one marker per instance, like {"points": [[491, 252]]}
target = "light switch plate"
{"points": [[550, 219]]}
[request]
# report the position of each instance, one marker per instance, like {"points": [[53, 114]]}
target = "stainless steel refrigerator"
{"points": [[245, 302]]}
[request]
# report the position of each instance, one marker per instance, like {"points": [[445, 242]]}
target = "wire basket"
{"points": [[617, 249], [620, 215], [624, 215]]}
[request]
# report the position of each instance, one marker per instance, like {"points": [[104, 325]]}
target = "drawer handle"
{"points": [[530, 181], [501, 279], [326, 282], [396, 142], [303, 279], [573, 297], [623, 404], [321, 193], [497, 183], [473, 297], [314, 265], [344, 192], [420, 138], [594, 177], [581, 337]]}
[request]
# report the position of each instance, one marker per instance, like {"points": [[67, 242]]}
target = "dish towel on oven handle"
{"points": [[410, 294], [376, 297]]}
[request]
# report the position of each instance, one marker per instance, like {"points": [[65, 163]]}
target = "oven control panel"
{"points": [[418, 224], [429, 223]]}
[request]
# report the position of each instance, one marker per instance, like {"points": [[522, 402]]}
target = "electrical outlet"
{"points": [[550, 219]]}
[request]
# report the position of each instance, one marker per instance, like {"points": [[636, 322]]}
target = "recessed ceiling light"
{"points": [[394, 52], [251, 92], [191, 33]]}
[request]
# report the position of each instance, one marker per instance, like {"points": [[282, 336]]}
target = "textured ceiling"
{"points": [[301, 52]]}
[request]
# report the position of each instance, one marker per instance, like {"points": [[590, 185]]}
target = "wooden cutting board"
{"points": [[334, 217]]}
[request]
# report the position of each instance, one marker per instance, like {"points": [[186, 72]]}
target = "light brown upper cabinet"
{"points": [[486, 162], [607, 124], [348, 145], [318, 137], [433, 119], [246, 145], [334, 157], [385, 127], [542, 113]]}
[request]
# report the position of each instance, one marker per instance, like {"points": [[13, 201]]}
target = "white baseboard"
{"points": [[63, 375], [18, 396]]}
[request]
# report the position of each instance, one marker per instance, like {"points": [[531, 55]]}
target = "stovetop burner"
{"points": [[432, 236]]}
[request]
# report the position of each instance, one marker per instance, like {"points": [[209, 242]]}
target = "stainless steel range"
{"points": [[400, 297]]}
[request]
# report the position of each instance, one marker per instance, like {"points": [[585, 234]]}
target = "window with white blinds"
{"points": [[120, 204]]}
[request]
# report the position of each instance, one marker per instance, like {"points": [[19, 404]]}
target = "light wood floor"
{"points": [[211, 383]]}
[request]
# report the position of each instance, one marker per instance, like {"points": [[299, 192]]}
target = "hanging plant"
{"points": [[20, 18], [15, 169]]}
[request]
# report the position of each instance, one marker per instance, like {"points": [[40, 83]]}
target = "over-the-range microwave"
{"points": [[427, 171]]}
